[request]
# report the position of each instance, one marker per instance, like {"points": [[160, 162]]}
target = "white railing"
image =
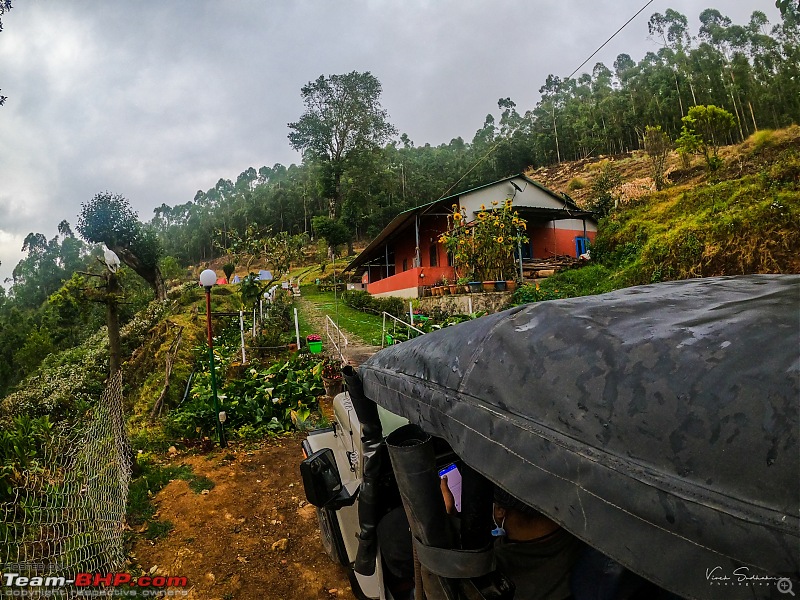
{"points": [[335, 337], [395, 322]]}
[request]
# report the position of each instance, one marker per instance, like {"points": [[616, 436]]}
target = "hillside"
{"points": [[234, 520]]}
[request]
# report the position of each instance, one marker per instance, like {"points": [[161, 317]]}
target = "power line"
{"points": [[609, 39]]}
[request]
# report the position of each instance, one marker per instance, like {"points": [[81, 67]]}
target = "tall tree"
{"points": [[343, 116], [109, 219]]}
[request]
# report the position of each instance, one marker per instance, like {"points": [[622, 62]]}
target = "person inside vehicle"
{"points": [[531, 550]]}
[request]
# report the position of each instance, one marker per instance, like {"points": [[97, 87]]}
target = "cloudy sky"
{"points": [[156, 99]]}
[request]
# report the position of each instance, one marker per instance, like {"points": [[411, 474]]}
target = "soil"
{"points": [[252, 537]]}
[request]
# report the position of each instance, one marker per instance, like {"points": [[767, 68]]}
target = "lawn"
{"points": [[365, 326]]}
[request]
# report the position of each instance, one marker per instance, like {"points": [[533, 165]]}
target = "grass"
{"points": [[365, 326]]}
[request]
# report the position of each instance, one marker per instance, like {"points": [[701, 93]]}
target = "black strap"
{"points": [[455, 564]]}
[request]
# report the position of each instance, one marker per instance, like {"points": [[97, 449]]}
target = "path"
{"points": [[251, 537], [357, 350]]}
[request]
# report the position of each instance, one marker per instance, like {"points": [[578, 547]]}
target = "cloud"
{"points": [[155, 100]]}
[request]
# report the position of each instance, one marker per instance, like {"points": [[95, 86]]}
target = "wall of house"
{"points": [[529, 196], [548, 240], [409, 283]]}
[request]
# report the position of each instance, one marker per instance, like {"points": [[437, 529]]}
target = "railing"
{"points": [[392, 338], [335, 337]]}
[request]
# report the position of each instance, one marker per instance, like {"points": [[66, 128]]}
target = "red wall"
{"points": [[410, 279], [548, 242]]}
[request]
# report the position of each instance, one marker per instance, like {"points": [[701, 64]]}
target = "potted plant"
{"points": [[455, 288], [314, 343], [445, 287], [332, 376], [463, 284]]}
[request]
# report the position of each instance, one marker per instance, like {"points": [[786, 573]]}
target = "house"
{"points": [[407, 255]]}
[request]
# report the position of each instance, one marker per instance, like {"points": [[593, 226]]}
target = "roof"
{"points": [[405, 218], [661, 416]]}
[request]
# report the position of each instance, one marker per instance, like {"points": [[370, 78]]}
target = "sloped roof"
{"points": [[405, 218]]}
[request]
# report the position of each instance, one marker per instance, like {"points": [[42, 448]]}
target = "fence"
{"points": [[67, 512], [336, 337], [405, 332]]}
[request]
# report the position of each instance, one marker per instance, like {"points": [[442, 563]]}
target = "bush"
{"points": [[365, 302], [275, 399], [576, 183]]}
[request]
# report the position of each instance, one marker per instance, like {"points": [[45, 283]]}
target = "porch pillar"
{"points": [[417, 260]]}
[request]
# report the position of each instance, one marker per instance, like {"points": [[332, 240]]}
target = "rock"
{"points": [[281, 545]]}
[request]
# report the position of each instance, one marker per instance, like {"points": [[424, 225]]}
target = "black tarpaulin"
{"points": [[657, 423]]}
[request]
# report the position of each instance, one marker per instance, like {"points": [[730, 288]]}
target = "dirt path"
{"points": [[356, 352], [251, 537]]}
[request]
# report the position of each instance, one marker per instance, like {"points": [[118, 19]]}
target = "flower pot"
{"points": [[315, 347], [500, 286], [465, 288], [454, 289], [332, 386], [445, 290], [488, 286], [292, 347], [475, 287], [511, 285]]}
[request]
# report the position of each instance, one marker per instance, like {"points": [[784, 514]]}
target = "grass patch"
{"points": [[365, 326]]}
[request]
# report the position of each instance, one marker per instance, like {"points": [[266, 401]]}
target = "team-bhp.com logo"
{"points": [[15, 582]]}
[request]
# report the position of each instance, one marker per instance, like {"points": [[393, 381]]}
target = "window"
{"points": [[405, 264], [434, 253]]}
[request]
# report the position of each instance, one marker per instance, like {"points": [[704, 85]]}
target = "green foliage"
{"points": [[333, 232], [170, 268], [576, 183], [603, 186], [270, 400], [657, 146], [251, 290], [109, 219], [705, 129], [366, 302], [525, 294], [726, 228], [22, 445], [228, 269]]}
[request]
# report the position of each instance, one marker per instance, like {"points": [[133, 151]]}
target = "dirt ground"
{"points": [[251, 537]]}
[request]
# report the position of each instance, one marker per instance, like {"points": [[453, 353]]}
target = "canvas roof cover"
{"points": [[658, 423]]}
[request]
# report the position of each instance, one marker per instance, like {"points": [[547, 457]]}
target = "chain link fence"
{"points": [[67, 512]]}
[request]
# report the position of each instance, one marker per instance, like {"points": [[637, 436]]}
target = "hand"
{"points": [[449, 500]]}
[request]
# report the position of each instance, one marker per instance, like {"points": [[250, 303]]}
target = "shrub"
{"points": [[576, 183], [365, 302]]}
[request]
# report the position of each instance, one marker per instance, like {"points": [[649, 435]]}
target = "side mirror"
{"points": [[321, 478]]}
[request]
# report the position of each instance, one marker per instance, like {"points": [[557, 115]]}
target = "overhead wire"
{"points": [[494, 147]]}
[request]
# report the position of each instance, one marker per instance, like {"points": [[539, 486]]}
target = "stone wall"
{"points": [[459, 304]]}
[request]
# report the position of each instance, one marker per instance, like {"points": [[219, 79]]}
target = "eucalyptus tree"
{"points": [[343, 117]]}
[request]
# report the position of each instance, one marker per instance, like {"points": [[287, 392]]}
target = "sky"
{"points": [[157, 99]]}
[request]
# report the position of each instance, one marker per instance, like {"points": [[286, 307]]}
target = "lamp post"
{"points": [[207, 279]]}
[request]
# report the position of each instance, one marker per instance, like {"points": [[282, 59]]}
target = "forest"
{"points": [[352, 181]]}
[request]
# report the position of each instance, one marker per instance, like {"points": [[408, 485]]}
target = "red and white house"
{"points": [[407, 255]]}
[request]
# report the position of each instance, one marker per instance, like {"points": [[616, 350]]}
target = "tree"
{"points": [[109, 219], [706, 127], [657, 146], [343, 117], [333, 232]]}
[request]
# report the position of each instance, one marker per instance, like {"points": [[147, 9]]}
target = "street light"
{"points": [[207, 279]]}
